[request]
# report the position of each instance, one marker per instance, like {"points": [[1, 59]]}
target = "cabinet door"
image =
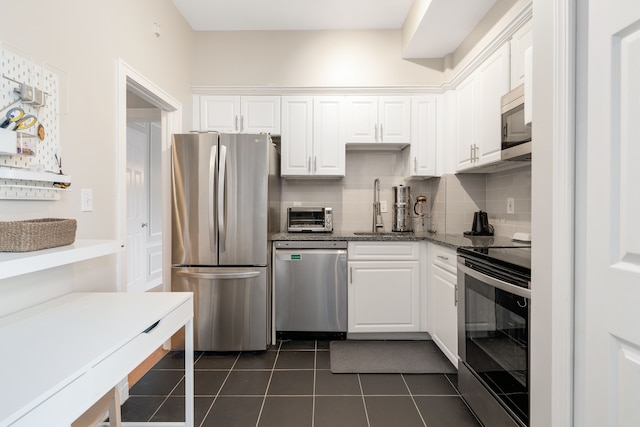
{"points": [[445, 324], [297, 135], [465, 126], [492, 84], [521, 40], [384, 296], [328, 136], [422, 158], [394, 119], [260, 114], [443, 307], [362, 119], [220, 113]]}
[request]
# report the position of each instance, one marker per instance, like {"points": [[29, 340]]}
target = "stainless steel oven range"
{"points": [[493, 333]]}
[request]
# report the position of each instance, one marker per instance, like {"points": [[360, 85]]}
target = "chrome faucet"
{"points": [[377, 215]]}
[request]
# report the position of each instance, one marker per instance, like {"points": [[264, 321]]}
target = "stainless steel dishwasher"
{"points": [[310, 286]]}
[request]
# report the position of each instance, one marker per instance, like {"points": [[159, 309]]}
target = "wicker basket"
{"points": [[36, 234]]}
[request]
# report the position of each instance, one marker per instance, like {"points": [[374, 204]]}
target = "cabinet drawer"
{"points": [[444, 258], [384, 251], [109, 371]]}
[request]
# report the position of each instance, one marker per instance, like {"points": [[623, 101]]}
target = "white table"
{"points": [[60, 357]]}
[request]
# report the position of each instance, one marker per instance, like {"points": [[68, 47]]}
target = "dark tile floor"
{"points": [[291, 385]]}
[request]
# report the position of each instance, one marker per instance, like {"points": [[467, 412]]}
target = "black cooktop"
{"points": [[515, 258]]}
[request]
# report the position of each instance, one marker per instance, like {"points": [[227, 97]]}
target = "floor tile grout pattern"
{"points": [[291, 385]]}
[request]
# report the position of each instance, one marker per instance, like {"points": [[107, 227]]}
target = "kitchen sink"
{"points": [[381, 233]]}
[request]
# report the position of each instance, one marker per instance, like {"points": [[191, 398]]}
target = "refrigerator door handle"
{"points": [[222, 198], [212, 179], [220, 276]]}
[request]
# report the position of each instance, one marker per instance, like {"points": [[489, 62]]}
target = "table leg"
{"points": [[188, 373]]}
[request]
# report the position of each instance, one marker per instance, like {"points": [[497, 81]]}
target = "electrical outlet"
{"points": [[86, 204], [511, 205], [383, 206]]}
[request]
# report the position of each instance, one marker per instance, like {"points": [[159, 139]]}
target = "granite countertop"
{"points": [[453, 241]]}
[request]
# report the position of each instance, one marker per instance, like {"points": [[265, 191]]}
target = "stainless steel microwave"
{"points": [[309, 219], [516, 133]]}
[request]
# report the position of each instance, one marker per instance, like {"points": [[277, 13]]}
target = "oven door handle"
{"points": [[496, 283]]}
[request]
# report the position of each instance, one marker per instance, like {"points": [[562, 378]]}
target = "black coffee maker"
{"points": [[480, 226]]}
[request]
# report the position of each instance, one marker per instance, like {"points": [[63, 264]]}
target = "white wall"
{"points": [[85, 38], [308, 59]]}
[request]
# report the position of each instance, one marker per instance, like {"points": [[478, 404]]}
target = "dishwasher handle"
{"points": [[220, 276]]}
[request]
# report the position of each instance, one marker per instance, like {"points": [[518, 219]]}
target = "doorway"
{"points": [[147, 117], [144, 195]]}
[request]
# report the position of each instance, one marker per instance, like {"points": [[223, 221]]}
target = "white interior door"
{"points": [[607, 350], [137, 221]]}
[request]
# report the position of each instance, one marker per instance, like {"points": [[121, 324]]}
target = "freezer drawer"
{"points": [[310, 288], [231, 310]]}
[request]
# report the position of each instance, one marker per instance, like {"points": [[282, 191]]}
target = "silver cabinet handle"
{"points": [[381, 133], [315, 164], [241, 123], [471, 152], [350, 274], [415, 165], [443, 257], [455, 296], [236, 125], [220, 276], [375, 132], [309, 164], [144, 224]]}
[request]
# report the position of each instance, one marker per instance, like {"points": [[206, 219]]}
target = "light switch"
{"points": [[86, 204], [510, 205], [383, 206]]}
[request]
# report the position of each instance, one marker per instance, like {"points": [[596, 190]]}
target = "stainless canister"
{"points": [[402, 208]]}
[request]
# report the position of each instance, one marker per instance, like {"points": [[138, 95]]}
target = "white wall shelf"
{"points": [[28, 175], [17, 263]]}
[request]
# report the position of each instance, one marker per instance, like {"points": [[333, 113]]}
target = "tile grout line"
{"points": [[364, 403], [413, 400], [215, 398], [315, 365], [264, 399], [169, 394]]}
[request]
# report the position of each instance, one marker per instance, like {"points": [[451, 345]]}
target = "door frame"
{"points": [[171, 122], [553, 214]]}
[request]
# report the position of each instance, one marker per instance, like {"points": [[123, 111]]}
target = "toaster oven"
{"points": [[309, 219]]}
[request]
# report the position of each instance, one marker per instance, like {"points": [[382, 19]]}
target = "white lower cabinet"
{"points": [[385, 290], [443, 300]]}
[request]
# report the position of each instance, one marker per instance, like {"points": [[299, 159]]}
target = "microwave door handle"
{"points": [[505, 130], [213, 158], [496, 283], [222, 198]]}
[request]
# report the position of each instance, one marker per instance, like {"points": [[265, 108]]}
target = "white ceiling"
{"points": [[443, 26], [212, 15]]}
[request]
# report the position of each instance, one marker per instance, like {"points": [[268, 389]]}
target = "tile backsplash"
{"points": [[352, 196], [458, 196], [452, 199]]}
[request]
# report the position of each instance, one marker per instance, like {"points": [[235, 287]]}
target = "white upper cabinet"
{"points": [[313, 135], [420, 155], [378, 119], [240, 114], [296, 142], [478, 111], [520, 42]]}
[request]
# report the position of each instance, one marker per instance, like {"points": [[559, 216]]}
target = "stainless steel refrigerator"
{"points": [[226, 203]]}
